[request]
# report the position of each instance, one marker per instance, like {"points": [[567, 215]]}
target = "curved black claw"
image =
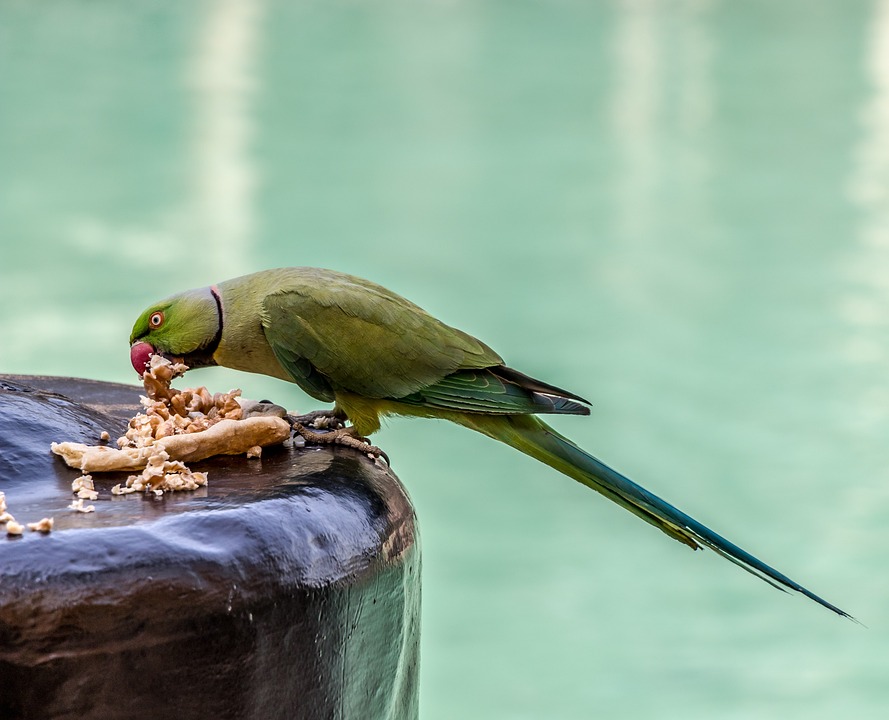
{"points": [[346, 436]]}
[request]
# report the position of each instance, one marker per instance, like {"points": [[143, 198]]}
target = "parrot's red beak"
{"points": [[140, 354]]}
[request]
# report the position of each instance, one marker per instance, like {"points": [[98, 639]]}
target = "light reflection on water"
{"points": [[678, 209]]}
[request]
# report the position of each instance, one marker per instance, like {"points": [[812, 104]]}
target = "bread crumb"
{"points": [[6, 517], [77, 505], [254, 452], [84, 488], [105, 436], [84, 482], [16, 528], [44, 525]]}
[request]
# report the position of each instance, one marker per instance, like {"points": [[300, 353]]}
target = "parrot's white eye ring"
{"points": [[156, 320]]}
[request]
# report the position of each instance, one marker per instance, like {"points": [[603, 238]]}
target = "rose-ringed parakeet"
{"points": [[373, 353]]}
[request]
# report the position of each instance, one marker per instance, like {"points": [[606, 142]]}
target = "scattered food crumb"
{"points": [[254, 452], [105, 436], [162, 474], [84, 488], [6, 517], [84, 482], [16, 528], [44, 525], [77, 505]]}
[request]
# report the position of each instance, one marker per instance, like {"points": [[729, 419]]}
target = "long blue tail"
{"points": [[534, 437]]}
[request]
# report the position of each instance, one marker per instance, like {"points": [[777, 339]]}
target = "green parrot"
{"points": [[374, 354]]}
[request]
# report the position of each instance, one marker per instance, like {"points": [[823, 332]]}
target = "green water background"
{"points": [[677, 209]]}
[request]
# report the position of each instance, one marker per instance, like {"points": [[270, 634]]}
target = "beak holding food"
{"points": [[140, 355]]}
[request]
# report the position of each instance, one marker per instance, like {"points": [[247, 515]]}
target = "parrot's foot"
{"points": [[346, 436]]}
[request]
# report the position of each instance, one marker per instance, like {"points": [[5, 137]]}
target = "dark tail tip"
{"points": [[559, 405], [561, 401]]}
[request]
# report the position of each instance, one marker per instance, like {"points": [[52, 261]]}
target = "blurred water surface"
{"points": [[677, 209]]}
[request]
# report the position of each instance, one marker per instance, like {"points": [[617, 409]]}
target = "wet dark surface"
{"points": [[288, 587]]}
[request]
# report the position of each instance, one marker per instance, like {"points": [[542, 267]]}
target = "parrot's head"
{"points": [[185, 328]]}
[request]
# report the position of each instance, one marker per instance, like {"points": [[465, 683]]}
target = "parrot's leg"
{"points": [[346, 436]]}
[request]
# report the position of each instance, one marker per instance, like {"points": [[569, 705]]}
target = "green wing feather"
{"points": [[496, 391], [331, 330]]}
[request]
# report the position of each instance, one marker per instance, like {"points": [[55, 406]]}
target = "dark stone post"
{"points": [[287, 588]]}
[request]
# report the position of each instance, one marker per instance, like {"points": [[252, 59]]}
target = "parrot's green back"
{"points": [[346, 340]]}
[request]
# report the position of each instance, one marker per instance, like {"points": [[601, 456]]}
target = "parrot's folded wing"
{"points": [[361, 339]]}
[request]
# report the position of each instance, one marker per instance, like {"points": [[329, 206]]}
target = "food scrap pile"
{"points": [[174, 428], [171, 412]]}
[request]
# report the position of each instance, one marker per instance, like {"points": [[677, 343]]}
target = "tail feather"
{"points": [[533, 437]]}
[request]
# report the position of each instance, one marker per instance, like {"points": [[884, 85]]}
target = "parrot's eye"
{"points": [[156, 320]]}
